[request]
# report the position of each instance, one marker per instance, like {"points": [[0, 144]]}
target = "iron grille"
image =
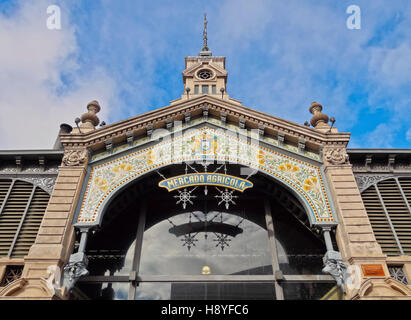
{"points": [[397, 273], [12, 273]]}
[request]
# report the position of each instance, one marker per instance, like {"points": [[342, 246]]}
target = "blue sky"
{"points": [[281, 56]]}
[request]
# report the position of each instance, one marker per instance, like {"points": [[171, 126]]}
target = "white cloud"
{"points": [[383, 136], [33, 98], [392, 66], [408, 135]]}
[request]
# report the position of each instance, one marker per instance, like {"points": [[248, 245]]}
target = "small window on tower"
{"points": [[205, 74], [204, 89], [196, 89], [214, 89]]}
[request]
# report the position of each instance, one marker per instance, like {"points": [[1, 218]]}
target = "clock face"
{"points": [[205, 74]]}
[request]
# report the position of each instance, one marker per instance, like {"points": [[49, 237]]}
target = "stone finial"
{"points": [[90, 120], [319, 119]]}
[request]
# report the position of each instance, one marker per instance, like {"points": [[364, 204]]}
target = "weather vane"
{"points": [[205, 47]]}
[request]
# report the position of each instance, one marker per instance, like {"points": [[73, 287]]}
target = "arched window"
{"points": [[256, 247]]}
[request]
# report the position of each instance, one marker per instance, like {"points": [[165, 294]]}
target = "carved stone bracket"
{"points": [[74, 158], [74, 270], [364, 181], [335, 156], [334, 266]]}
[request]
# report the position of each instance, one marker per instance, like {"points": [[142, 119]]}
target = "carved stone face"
{"points": [[330, 266]]}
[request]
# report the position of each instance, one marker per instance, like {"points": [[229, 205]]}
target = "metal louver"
{"points": [[388, 208], [22, 207]]}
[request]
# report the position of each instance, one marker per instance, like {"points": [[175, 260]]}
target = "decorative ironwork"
{"points": [[367, 180], [185, 197], [12, 273], [222, 240], [189, 240], [226, 197], [398, 273]]}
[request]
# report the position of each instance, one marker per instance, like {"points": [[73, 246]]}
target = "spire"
{"points": [[205, 51], [205, 47]]}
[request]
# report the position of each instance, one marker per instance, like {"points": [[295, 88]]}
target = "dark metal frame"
{"points": [[277, 277]]}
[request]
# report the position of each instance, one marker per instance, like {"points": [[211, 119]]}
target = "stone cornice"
{"points": [[157, 118]]}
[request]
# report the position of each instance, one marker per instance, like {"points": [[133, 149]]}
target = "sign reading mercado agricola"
{"points": [[205, 179]]}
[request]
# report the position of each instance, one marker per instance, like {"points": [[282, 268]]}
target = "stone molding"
{"points": [[195, 106], [381, 289]]}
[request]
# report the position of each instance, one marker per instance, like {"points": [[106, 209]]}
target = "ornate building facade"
{"points": [[205, 199]]}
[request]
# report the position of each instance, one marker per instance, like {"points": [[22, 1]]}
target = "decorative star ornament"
{"points": [[189, 240], [226, 197], [222, 241], [184, 197]]}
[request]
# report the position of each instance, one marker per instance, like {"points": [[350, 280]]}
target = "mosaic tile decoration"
{"points": [[197, 121], [303, 178]]}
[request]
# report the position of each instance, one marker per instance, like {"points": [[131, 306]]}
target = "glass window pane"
{"points": [[185, 245], [300, 251], [204, 89], [196, 89], [214, 89], [306, 291], [205, 291], [178, 291], [103, 290], [110, 250]]}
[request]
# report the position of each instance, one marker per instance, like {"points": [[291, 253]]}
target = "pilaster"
{"points": [[56, 237]]}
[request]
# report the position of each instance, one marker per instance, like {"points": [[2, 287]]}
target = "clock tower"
{"points": [[205, 74]]}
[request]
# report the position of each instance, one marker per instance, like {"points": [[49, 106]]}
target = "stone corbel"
{"points": [[205, 113], [368, 160], [261, 130], [187, 118], [73, 158], [241, 123], [74, 270], [281, 139], [334, 266], [77, 264], [109, 145], [19, 163], [42, 162], [130, 138], [150, 129], [169, 124], [391, 162], [333, 263], [301, 145], [223, 118], [335, 156]]}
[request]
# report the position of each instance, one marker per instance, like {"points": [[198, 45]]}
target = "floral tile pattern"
{"points": [[214, 121], [210, 144]]}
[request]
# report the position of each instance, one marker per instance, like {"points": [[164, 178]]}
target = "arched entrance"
{"points": [[256, 246]]}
